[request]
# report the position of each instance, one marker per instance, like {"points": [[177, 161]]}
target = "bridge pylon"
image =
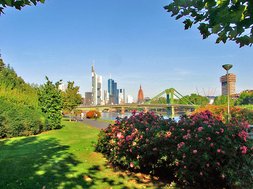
{"points": [[170, 94]]}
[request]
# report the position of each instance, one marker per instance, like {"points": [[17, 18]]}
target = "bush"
{"points": [[93, 114], [200, 150], [238, 114], [209, 153], [19, 119], [138, 143]]}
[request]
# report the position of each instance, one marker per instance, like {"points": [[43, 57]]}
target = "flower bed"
{"points": [[198, 151], [93, 114]]}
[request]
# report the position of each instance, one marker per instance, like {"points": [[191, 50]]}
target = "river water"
{"points": [[114, 115]]}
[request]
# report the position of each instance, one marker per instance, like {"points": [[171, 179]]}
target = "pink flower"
{"points": [[218, 150], [131, 164], [244, 149], [211, 144], [207, 165], [180, 145], [201, 174], [187, 136], [208, 138], [129, 137], [119, 135], [195, 151], [185, 167], [200, 129], [243, 135], [222, 130], [217, 132]]}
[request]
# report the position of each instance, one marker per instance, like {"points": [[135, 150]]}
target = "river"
{"points": [[113, 115]]}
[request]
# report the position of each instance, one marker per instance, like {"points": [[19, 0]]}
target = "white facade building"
{"points": [[130, 99], [96, 87], [122, 96]]}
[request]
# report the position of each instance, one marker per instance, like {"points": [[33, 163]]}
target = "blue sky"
{"points": [[137, 42]]}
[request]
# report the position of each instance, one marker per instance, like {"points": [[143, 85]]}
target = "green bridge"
{"points": [[169, 106]]}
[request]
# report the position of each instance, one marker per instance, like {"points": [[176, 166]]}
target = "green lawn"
{"points": [[62, 158]]}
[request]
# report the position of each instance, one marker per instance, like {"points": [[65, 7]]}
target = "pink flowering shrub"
{"points": [[214, 154], [139, 143], [200, 151]]}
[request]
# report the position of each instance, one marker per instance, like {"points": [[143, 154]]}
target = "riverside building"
{"points": [[228, 84], [96, 87]]}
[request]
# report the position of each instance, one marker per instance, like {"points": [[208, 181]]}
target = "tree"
{"points": [[160, 100], [227, 19], [71, 97], [18, 4], [223, 100], [195, 99], [245, 98], [50, 102], [2, 65]]}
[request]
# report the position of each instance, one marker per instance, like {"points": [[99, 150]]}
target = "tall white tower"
{"points": [[96, 87]]}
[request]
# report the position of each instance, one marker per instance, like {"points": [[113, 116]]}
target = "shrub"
{"points": [[93, 114], [138, 143], [200, 150], [19, 119], [238, 114], [209, 153]]}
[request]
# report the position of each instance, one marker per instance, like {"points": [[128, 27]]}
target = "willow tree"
{"points": [[227, 19]]}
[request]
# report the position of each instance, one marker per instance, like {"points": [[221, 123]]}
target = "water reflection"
{"points": [[113, 115]]}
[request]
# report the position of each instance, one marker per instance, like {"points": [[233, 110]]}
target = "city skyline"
{"points": [[137, 43]]}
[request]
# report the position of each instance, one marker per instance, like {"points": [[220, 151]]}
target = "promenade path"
{"points": [[95, 123]]}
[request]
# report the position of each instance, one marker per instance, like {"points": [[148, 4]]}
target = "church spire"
{"points": [[140, 95]]}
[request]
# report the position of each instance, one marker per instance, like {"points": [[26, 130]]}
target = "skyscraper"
{"points": [[122, 96], [96, 87], [113, 92], [228, 83]]}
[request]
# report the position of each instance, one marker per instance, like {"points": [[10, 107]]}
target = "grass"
{"points": [[64, 159]]}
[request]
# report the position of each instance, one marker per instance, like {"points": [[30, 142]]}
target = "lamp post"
{"points": [[228, 67]]}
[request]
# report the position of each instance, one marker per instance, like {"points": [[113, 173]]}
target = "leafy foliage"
{"points": [[19, 111], [2, 65], [245, 98], [195, 99], [160, 100], [19, 120], [18, 4], [223, 100], [50, 101], [238, 114], [227, 19], [71, 97], [14, 88], [199, 150]]}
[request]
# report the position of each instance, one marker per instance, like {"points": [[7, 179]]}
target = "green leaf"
{"points": [[216, 28], [188, 24]]}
